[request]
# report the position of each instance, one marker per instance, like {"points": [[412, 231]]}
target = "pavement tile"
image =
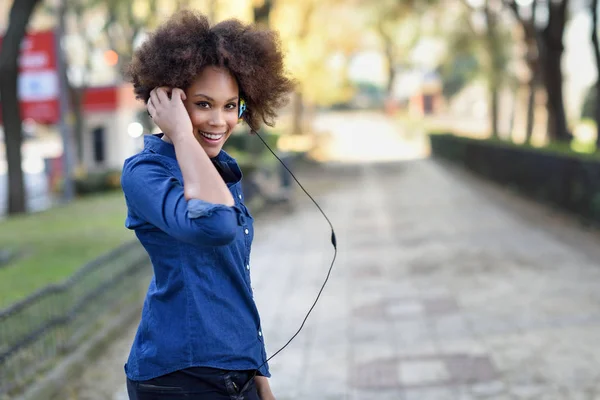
{"points": [[405, 309], [422, 349], [527, 391], [471, 368], [444, 288], [378, 394], [451, 327], [468, 346], [489, 389], [423, 372], [378, 374], [439, 393], [440, 306]]}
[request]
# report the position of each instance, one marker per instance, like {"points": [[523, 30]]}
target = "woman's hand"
{"points": [[169, 113], [263, 388]]}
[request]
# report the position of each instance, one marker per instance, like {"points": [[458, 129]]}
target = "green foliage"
{"points": [[458, 73], [244, 142], [560, 149], [474, 52], [589, 104], [98, 182], [250, 152]]}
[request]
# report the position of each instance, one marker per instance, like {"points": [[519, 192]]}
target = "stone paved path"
{"points": [[444, 288]]}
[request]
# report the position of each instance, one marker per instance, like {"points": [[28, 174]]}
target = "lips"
{"points": [[211, 137]]}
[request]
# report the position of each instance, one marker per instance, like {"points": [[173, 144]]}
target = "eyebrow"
{"points": [[211, 99]]}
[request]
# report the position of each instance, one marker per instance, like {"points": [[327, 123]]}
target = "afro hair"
{"points": [[179, 49]]}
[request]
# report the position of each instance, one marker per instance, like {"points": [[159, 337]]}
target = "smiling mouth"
{"points": [[212, 137]]}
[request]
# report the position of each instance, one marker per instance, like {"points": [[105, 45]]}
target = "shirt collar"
{"points": [[155, 144]]}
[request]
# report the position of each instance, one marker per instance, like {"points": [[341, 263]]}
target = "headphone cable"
{"points": [[333, 242]]}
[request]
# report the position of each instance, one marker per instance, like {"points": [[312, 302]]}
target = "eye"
{"points": [[231, 106], [203, 104]]}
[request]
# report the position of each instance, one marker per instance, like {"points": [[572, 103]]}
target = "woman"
{"points": [[200, 335]]}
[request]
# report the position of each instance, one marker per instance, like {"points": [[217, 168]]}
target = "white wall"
{"points": [[118, 145]]}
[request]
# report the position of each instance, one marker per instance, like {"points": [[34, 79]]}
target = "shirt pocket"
{"points": [[246, 212]]}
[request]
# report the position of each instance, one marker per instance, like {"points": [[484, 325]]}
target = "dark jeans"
{"points": [[195, 383]]}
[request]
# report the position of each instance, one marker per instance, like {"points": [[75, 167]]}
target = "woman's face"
{"points": [[212, 103]]}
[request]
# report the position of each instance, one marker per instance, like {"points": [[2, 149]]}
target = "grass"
{"points": [[53, 244]]}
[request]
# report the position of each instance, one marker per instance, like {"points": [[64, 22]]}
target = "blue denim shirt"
{"points": [[199, 309]]}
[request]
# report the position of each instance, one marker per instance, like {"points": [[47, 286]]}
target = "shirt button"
{"points": [[240, 196], [246, 231], [248, 267], [259, 333]]}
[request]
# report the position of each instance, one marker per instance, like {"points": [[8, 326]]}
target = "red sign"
{"points": [[100, 99], [38, 84]]}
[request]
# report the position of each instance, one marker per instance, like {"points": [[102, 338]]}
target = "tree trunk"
{"points": [[494, 109], [391, 68], [212, 11], [552, 50], [533, 63], [262, 13], [20, 14], [298, 113], [78, 122], [596, 48], [298, 108], [532, 60], [557, 122], [530, 109], [76, 94], [514, 105], [495, 67]]}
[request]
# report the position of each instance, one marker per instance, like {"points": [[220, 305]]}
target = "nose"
{"points": [[217, 118]]}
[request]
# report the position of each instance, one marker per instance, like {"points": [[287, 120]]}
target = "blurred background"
{"points": [[454, 144]]}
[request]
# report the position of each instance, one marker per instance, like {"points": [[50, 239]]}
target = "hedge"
{"points": [[568, 181]]}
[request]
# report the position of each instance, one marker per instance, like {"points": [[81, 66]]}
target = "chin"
{"points": [[212, 152]]}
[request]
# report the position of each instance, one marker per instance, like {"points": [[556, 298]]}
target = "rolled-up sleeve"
{"points": [[154, 193]]}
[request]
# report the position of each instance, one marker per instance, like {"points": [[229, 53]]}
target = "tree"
{"points": [[20, 15], [497, 58], [76, 10], [306, 13], [551, 49], [532, 56], [493, 43], [399, 28], [545, 49], [310, 40], [458, 72], [76, 15], [261, 11], [125, 23]]}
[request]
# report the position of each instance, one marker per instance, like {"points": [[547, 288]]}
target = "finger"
{"points": [[154, 94], [154, 98], [163, 93], [151, 109], [179, 93]]}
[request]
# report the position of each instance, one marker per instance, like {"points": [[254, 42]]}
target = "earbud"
{"points": [[241, 108]]}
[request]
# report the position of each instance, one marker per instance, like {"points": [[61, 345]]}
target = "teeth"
{"points": [[212, 135]]}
